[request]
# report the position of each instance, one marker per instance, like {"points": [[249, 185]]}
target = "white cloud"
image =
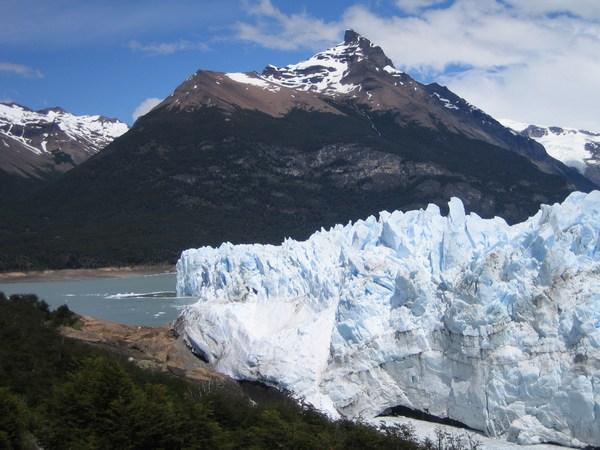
{"points": [[145, 107], [588, 9], [20, 69], [166, 48], [276, 30], [414, 6], [535, 61]]}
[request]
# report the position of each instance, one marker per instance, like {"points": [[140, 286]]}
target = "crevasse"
{"points": [[493, 325]]}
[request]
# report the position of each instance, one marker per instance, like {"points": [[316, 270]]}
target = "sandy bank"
{"points": [[77, 274]]}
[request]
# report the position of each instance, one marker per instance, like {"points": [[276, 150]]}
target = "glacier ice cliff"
{"points": [[492, 325]]}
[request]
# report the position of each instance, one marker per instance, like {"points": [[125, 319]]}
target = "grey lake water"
{"points": [[136, 300]]}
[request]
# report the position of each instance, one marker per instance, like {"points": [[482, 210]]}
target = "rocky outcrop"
{"points": [[155, 348]]}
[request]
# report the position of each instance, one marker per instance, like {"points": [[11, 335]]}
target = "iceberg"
{"points": [[471, 319]]}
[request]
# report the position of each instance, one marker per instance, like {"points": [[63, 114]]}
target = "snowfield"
{"points": [[492, 325], [575, 148]]}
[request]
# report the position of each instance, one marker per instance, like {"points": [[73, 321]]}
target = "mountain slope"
{"points": [[259, 157], [575, 148]]}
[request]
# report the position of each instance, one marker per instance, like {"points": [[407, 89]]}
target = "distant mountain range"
{"points": [[38, 146], [576, 148], [249, 157], [40, 143]]}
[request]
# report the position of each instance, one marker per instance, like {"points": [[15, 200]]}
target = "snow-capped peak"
{"points": [[327, 72], [574, 147], [35, 130]]}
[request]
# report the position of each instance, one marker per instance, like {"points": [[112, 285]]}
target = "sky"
{"points": [[534, 61]]}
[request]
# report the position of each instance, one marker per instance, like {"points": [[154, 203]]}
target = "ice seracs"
{"points": [[493, 325]]}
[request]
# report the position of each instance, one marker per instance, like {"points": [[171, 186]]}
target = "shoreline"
{"points": [[81, 274]]}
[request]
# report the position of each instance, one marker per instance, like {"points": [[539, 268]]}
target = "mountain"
{"points": [[249, 157], [39, 145], [575, 148], [490, 325], [357, 73]]}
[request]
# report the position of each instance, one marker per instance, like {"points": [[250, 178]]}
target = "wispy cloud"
{"points": [[585, 9], [145, 107], [20, 70], [276, 30], [166, 48], [75, 23], [415, 6], [534, 61]]}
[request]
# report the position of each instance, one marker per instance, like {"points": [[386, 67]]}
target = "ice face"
{"points": [[493, 325]]}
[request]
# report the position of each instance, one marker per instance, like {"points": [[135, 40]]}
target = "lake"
{"points": [[136, 300]]}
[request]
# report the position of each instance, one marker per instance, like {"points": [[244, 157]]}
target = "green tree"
{"points": [[14, 421]]}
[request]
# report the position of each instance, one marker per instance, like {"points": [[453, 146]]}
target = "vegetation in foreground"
{"points": [[56, 393]]}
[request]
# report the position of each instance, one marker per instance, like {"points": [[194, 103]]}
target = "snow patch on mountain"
{"points": [[492, 325], [328, 72], [255, 80], [446, 102], [323, 72], [392, 70]]}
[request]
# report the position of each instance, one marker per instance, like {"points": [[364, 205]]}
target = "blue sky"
{"points": [[528, 60]]}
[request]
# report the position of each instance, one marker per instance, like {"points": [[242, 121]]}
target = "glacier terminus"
{"points": [[496, 326]]}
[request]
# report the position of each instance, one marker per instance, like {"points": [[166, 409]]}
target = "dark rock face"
{"points": [[251, 158], [534, 132], [185, 179], [593, 147], [372, 53]]}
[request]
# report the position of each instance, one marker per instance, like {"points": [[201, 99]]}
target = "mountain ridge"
{"points": [[238, 157], [39, 144], [359, 72], [575, 147]]}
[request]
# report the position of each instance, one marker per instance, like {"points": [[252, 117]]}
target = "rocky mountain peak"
{"points": [[329, 72], [366, 50], [351, 36], [54, 109], [38, 143]]}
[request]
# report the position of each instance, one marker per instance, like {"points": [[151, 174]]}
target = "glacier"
{"points": [[495, 326]]}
